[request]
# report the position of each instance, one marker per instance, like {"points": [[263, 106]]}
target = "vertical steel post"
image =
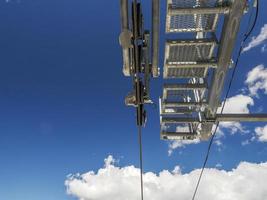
{"points": [[125, 28], [155, 37]]}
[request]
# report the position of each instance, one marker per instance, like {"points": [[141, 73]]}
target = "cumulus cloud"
{"points": [[245, 142], [257, 80], [237, 104], [234, 127], [218, 165], [258, 40], [247, 181], [180, 143], [261, 133]]}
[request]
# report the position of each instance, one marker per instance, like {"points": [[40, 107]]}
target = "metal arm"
{"points": [[138, 54]]}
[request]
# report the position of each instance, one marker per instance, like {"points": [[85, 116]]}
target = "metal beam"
{"points": [[183, 104], [190, 42], [172, 11], [179, 120], [177, 135], [169, 86], [227, 43], [155, 37], [177, 113], [180, 134], [124, 14], [241, 117], [177, 110], [219, 118], [125, 30], [210, 64]]}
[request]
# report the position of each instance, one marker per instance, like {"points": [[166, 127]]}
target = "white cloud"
{"points": [[180, 143], [218, 165], [264, 48], [261, 133], [258, 40], [109, 160], [257, 80], [237, 104], [245, 142], [246, 182], [234, 127]]}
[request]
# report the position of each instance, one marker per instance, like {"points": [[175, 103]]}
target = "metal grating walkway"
{"points": [[193, 15], [186, 58], [185, 102]]}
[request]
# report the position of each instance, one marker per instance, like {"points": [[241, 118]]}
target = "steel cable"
{"points": [[246, 35]]}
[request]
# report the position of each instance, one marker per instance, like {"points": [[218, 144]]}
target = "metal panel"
{"points": [[184, 72], [190, 22], [188, 51], [188, 58]]}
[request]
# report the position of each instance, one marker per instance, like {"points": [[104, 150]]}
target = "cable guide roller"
{"points": [[140, 53]]}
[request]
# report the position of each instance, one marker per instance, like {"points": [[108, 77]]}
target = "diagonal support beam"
{"points": [[227, 43]]}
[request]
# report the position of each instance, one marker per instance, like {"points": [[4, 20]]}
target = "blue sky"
{"points": [[62, 100]]}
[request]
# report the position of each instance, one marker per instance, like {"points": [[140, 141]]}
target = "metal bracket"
{"points": [[138, 62]]}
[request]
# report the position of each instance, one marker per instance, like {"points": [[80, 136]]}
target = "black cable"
{"points": [[254, 23], [141, 160], [246, 35]]}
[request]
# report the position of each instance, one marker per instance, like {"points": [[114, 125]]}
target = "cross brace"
{"points": [[219, 118]]}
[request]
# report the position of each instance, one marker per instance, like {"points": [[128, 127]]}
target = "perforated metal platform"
{"points": [[191, 22], [189, 51], [186, 102], [188, 58], [184, 72]]}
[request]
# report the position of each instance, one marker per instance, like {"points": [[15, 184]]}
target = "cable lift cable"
{"points": [[246, 35], [141, 160]]}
